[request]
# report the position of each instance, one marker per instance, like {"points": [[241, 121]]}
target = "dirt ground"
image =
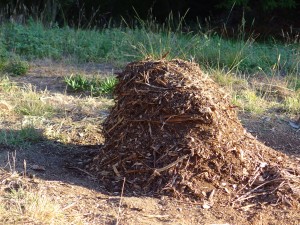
{"points": [[63, 174]]}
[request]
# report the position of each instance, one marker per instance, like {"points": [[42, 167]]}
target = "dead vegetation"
{"points": [[174, 131]]}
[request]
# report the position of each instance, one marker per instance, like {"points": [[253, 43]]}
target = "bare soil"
{"points": [[64, 175]]}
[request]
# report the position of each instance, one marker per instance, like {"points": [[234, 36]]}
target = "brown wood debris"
{"points": [[174, 131]]}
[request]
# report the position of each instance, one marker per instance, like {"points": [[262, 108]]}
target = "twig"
{"points": [[115, 125], [116, 170], [25, 168], [120, 203], [252, 190], [69, 206], [170, 165], [156, 216], [153, 86]]}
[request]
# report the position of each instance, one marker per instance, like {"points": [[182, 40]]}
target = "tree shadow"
{"points": [[49, 160], [275, 132]]}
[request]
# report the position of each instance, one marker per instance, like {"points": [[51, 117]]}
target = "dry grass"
{"points": [[22, 204], [261, 94], [61, 117], [292, 104]]}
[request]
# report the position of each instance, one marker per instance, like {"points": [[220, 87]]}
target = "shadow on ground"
{"points": [[51, 160], [274, 131]]}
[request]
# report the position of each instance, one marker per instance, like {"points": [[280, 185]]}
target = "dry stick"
{"points": [[25, 167], [120, 203], [119, 121], [153, 86], [252, 190], [249, 183], [170, 165]]}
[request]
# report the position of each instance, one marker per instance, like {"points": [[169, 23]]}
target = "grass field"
{"points": [[230, 61], [121, 44]]}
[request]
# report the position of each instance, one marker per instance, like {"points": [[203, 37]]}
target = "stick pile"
{"points": [[174, 131]]}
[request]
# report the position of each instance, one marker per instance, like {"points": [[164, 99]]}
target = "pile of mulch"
{"points": [[174, 131]]}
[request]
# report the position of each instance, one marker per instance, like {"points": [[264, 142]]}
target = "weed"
{"points": [[19, 138], [29, 103], [77, 83], [6, 85], [16, 67], [94, 86], [292, 104], [105, 86]]}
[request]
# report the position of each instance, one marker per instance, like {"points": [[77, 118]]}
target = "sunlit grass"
{"points": [[29, 102], [292, 104], [95, 86], [148, 39], [25, 205]]}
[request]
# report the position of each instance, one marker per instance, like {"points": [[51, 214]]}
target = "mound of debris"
{"points": [[174, 131]]}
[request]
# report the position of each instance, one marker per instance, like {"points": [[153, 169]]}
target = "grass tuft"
{"points": [[249, 101], [94, 86], [6, 85], [16, 67], [30, 103], [28, 206], [18, 138], [292, 104]]}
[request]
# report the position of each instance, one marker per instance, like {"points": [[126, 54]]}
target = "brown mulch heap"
{"points": [[174, 131]]}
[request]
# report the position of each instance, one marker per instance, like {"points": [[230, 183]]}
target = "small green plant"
{"points": [[94, 86], [77, 82], [105, 86], [24, 136], [249, 101], [292, 104], [16, 67], [6, 85]]}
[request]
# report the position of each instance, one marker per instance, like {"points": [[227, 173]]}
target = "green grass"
{"points": [[250, 101], [6, 85], [95, 87], [20, 138], [15, 67], [29, 102], [292, 104], [122, 44]]}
